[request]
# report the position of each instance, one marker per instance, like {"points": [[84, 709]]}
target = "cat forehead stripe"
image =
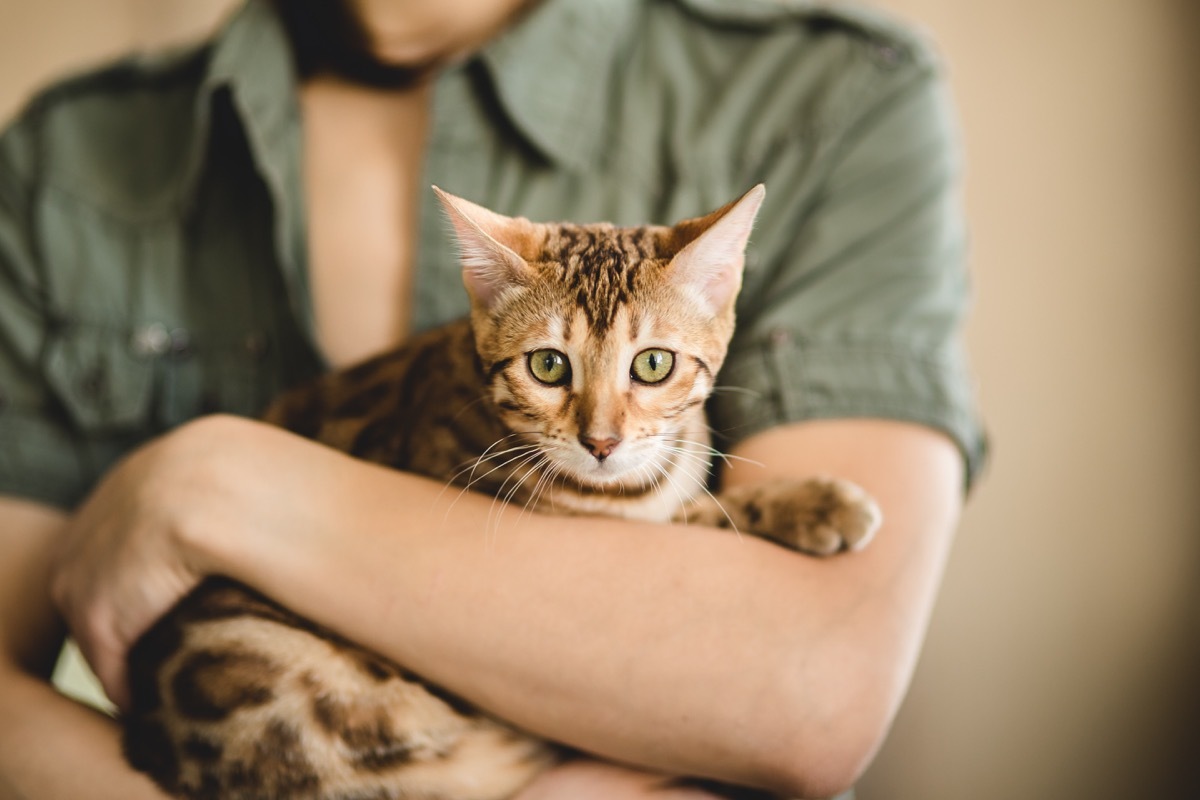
{"points": [[599, 266]]}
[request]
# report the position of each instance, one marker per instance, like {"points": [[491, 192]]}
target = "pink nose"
{"points": [[600, 448]]}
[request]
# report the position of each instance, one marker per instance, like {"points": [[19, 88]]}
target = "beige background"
{"points": [[1063, 658]]}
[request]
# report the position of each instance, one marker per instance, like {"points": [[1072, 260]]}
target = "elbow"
{"points": [[823, 750], [801, 775], [822, 771]]}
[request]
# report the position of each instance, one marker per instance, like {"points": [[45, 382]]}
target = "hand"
{"points": [[129, 553]]}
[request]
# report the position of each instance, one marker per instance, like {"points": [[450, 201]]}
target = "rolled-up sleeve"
{"points": [[856, 303]]}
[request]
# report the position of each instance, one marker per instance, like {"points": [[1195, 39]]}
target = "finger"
{"points": [[111, 672], [108, 664]]}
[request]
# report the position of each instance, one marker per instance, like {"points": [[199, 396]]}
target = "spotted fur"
{"points": [[234, 697]]}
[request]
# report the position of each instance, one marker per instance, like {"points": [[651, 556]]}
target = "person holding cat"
{"points": [[192, 234]]}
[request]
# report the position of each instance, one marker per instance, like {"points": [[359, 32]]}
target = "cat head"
{"points": [[602, 342]]}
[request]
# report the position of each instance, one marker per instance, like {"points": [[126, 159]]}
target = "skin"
{"points": [[810, 658], [807, 691]]}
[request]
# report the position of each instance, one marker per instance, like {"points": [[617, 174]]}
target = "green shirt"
{"points": [[153, 259]]}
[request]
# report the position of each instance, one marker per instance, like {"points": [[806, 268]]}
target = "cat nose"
{"points": [[600, 448]]}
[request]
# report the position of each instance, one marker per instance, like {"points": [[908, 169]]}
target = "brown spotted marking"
{"points": [[211, 685]]}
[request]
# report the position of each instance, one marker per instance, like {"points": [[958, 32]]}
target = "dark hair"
{"points": [[328, 37]]}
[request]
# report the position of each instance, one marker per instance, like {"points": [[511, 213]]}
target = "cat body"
{"points": [[576, 386]]}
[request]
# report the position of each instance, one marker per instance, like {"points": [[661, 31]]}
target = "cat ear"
{"points": [[489, 266], [711, 263]]}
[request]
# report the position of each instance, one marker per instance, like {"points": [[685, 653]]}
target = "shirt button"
{"points": [[150, 340], [780, 337], [180, 342]]}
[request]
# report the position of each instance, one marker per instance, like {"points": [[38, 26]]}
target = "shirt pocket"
{"points": [[102, 383]]}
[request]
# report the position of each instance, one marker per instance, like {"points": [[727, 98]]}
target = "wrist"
{"points": [[267, 507], [229, 501]]}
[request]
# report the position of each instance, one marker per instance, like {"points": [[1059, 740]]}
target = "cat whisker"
{"points": [[710, 450], [521, 451], [464, 409], [487, 455], [531, 467], [556, 471], [511, 435], [718, 433], [472, 464], [667, 475], [539, 461], [520, 461], [537, 458], [551, 472], [676, 454], [704, 488], [537, 490], [736, 390], [497, 506], [675, 450], [655, 470]]}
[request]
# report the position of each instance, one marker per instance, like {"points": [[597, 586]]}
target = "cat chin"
{"points": [[609, 474]]}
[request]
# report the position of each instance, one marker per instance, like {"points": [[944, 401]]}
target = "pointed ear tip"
{"points": [[756, 194], [452, 204]]}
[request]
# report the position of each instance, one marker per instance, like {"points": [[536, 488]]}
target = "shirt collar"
{"points": [[550, 73], [250, 58]]}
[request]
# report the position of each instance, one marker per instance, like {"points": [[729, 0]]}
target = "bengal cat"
{"points": [[576, 386]]}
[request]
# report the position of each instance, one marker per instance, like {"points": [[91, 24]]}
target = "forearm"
{"points": [[686, 650], [640, 643], [50, 746]]}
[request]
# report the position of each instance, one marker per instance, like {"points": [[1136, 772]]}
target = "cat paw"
{"points": [[828, 515], [818, 516]]}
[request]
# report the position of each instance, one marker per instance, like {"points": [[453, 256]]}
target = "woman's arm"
{"points": [[50, 746], [687, 650]]}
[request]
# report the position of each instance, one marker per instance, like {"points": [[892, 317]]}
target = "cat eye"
{"points": [[652, 366], [550, 367]]}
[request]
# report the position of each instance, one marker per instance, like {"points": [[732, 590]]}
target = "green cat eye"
{"points": [[652, 366], [550, 367]]}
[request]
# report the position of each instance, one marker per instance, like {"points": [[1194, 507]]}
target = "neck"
{"points": [[388, 44], [431, 31]]}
